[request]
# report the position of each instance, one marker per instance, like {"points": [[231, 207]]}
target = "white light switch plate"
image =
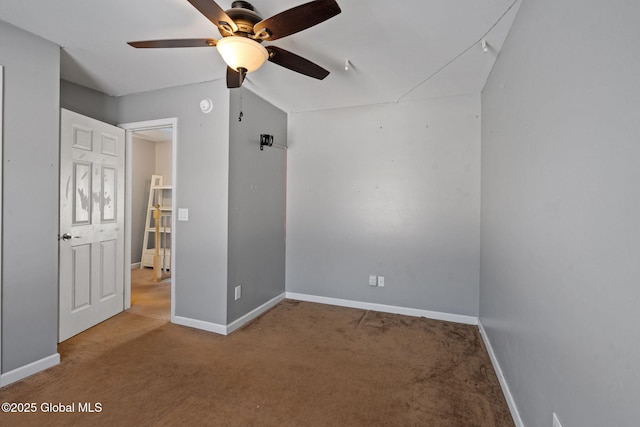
{"points": [[183, 214]]}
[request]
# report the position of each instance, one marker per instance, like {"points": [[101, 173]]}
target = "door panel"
{"points": [[81, 285], [82, 193], [92, 216], [82, 138], [109, 195], [109, 145], [108, 262]]}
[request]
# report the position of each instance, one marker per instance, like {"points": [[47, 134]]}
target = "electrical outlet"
{"points": [[238, 292], [556, 421], [373, 281], [381, 281]]}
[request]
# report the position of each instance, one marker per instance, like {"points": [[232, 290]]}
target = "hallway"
{"points": [[149, 298]]}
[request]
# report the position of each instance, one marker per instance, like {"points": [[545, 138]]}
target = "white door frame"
{"points": [[130, 128], [1, 161]]}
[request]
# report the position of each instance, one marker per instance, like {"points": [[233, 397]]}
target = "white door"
{"points": [[91, 222]]}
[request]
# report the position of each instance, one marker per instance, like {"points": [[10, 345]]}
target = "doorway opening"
{"points": [[151, 181]]}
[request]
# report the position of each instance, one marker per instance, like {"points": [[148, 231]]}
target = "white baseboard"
{"points": [[200, 324], [135, 265], [30, 369], [515, 414], [236, 324], [436, 315], [255, 313]]}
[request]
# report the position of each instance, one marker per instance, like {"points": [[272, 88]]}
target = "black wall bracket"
{"points": [[265, 139]]}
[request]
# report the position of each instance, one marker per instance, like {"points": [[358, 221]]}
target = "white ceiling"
{"points": [[404, 50], [155, 135]]}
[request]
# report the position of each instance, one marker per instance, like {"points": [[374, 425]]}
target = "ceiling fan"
{"points": [[243, 31]]}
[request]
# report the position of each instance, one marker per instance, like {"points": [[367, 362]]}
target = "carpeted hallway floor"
{"points": [[148, 297], [300, 364]]}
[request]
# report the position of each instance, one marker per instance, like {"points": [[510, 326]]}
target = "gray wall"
{"points": [[202, 186], [30, 197], [560, 266], [256, 204], [391, 190], [143, 154], [88, 102]]}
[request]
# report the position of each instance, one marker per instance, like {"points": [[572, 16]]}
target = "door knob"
{"points": [[67, 236]]}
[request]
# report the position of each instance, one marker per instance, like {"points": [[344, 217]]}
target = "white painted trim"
{"points": [[448, 317], [134, 266], [1, 197], [128, 198], [233, 326], [140, 126], [30, 369], [515, 414], [236, 324], [200, 324]]}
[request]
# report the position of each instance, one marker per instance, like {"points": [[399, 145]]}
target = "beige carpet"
{"points": [[300, 364]]}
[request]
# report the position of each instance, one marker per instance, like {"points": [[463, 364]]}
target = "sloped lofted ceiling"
{"points": [[413, 49]]}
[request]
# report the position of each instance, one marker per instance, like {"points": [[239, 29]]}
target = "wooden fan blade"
{"points": [[235, 78], [296, 19], [296, 63], [174, 43], [215, 14]]}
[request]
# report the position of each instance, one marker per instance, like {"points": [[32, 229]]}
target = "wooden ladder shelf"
{"points": [[157, 231]]}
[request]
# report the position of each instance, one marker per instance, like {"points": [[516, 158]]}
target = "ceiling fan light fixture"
{"points": [[242, 52]]}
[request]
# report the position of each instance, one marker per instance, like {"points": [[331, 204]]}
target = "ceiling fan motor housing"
{"points": [[244, 15], [242, 4]]}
